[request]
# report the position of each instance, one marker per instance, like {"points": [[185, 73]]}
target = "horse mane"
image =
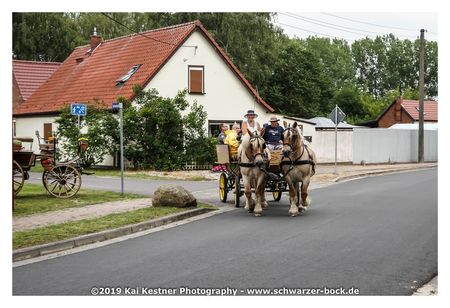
{"points": [[245, 146]]}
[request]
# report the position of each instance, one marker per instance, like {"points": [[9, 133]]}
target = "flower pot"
{"points": [[83, 145]]}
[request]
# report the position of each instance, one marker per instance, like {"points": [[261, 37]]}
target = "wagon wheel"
{"points": [[62, 181], [237, 195], [18, 177], [276, 192], [223, 187]]}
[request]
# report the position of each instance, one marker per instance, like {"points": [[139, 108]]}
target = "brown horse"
{"points": [[252, 155], [298, 166]]}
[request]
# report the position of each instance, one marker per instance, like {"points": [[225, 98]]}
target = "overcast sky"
{"points": [[353, 26]]}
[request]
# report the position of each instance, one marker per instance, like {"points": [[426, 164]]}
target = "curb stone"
{"points": [[45, 249], [368, 173]]}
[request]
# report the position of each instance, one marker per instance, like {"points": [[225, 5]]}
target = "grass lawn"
{"points": [[127, 174], [33, 198], [76, 228]]}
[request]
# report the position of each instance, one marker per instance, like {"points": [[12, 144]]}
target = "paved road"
{"points": [[378, 234]]}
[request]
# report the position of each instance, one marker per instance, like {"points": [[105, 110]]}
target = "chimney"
{"points": [[95, 40]]}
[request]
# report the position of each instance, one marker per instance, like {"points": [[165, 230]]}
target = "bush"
{"points": [[95, 126], [158, 136]]}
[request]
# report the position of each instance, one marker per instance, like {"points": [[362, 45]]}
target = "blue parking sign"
{"points": [[78, 109]]}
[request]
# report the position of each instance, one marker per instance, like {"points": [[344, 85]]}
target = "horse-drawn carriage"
{"points": [[230, 179], [261, 171], [60, 179]]}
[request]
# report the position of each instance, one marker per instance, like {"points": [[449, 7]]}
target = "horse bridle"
{"points": [[294, 135], [296, 161], [252, 164]]}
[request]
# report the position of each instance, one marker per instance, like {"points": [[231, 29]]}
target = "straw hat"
{"points": [[273, 119]]}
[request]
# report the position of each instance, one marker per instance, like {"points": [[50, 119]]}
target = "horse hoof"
{"points": [[302, 209], [293, 214], [257, 214]]}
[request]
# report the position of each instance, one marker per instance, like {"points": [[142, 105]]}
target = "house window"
{"points": [[214, 126], [196, 79], [128, 75], [47, 130]]}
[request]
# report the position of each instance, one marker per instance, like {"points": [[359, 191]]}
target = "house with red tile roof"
{"points": [[27, 77], [30, 75], [168, 59], [404, 111]]}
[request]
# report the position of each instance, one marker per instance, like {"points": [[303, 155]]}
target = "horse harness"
{"points": [[252, 164], [298, 161]]}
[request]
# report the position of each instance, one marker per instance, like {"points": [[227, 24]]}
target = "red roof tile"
{"points": [[430, 109], [30, 75], [94, 78]]}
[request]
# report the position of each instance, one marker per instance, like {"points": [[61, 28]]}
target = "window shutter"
{"points": [[47, 130], [196, 80]]}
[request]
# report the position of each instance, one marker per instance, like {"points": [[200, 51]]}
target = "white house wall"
{"points": [[26, 127], [225, 98]]}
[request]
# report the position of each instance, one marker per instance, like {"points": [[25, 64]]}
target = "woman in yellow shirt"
{"points": [[232, 141]]}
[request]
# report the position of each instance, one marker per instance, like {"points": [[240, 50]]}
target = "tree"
{"points": [[44, 36], [350, 101], [299, 85], [335, 54]]}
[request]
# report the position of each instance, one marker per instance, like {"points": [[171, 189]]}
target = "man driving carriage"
{"points": [[273, 134]]}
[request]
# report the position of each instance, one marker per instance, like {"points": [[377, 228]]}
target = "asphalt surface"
{"points": [[377, 234]]}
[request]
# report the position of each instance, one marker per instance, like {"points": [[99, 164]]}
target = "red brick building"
{"points": [[404, 111]]}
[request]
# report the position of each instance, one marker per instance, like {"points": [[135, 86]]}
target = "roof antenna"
{"points": [[95, 31]]}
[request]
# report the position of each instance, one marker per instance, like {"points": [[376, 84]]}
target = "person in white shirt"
{"points": [[249, 123]]}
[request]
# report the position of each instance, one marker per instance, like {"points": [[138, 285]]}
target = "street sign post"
{"points": [[337, 115], [78, 110], [119, 106]]}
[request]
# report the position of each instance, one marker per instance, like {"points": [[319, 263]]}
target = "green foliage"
{"points": [[198, 146], [95, 126], [44, 36], [350, 101], [387, 63], [336, 58], [299, 85]]}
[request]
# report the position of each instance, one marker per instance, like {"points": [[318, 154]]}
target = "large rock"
{"points": [[173, 195]]}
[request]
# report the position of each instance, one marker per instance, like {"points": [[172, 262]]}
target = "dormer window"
{"points": [[128, 75]]}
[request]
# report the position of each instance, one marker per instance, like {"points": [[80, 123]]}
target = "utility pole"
{"points": [[421, 96], [335, 138]]}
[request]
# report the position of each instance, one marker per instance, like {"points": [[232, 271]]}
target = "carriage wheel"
{"points": [[277, 192], [223, 185], [237, 195], [18, 177], [62, 181]]}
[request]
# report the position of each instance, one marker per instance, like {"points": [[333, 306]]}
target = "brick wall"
{"points": [[395, 114]]}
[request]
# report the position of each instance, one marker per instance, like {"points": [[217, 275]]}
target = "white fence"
{"points": [[382, 145], [323, 146]]}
